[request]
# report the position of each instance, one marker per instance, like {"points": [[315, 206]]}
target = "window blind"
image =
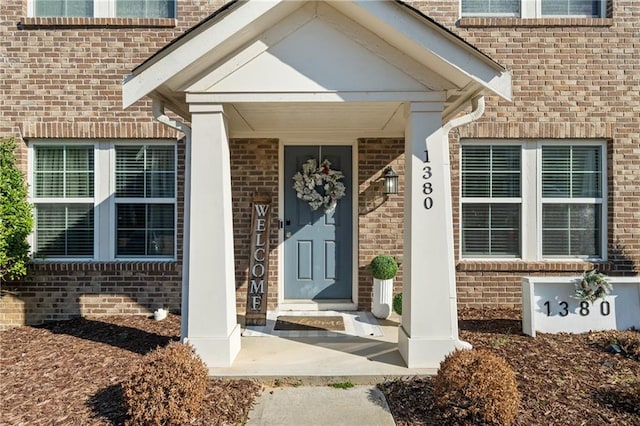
{"points": [[145, 172], [64, 230], [145, 200], [491, 174], [145, 8], [486, 7], [571, 227], [63, 8], [571, 8]]}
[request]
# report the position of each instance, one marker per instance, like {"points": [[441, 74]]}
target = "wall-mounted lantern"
{"points": [[390, 181]]}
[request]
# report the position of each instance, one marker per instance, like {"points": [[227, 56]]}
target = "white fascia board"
{"points": [[192, 48], [429, 44], [381, 96]]}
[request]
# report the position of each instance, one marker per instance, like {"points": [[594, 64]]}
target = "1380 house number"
{"points": [[584, 308], [427, 186]]}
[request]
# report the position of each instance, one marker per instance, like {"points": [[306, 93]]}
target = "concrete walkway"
{"points": [[321, 405], [297, 372]]}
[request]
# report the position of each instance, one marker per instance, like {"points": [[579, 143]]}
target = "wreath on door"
{"points": [[319, 186]]}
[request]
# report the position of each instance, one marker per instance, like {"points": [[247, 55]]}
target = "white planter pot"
{"points": [[382, 298], [160, 314]]}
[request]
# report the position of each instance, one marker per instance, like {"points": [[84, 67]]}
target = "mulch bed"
{"points": [[71, 372], [563, 379]]}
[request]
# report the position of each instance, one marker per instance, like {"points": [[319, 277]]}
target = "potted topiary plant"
{"points": [[383, 268], [397, 303]]}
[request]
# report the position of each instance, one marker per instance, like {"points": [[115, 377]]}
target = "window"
{"points": [[104, 8], [590, 8], [145, 8], [490, 7], [533, 200], [145, 201], [136, 217], [571, 201], [63, 199], [491, 207], [64, 8], [535, 8]]}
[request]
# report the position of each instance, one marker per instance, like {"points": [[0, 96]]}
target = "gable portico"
{"points": [[340, 70]]}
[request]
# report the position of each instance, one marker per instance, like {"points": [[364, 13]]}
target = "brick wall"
{"points": [[61, 78], [577, 78], [254, 171], [57, 291], [380, 219]]}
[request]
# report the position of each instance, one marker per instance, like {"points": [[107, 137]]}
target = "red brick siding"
{"points": [[380, 220], [57, 291], [254, 171], [576, 78]]}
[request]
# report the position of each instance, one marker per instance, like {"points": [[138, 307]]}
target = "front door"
{"points": [[317, 243]]}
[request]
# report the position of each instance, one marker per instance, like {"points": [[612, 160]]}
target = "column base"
{"points": [[427, 352], [217, 351]]}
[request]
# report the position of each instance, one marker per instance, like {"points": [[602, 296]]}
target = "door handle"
{"points": [[287, 234]]}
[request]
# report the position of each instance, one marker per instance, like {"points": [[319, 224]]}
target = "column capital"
{"points": [[203, 108], [417, 107]]}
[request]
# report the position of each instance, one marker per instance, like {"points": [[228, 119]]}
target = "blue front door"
{"points": [[317, 243]]}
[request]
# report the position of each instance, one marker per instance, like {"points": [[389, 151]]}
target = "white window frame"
{"points": [[61, 200], [497, 200], [531, 195], [101, 9], [532, 9], [140, 200], [104, 200]]}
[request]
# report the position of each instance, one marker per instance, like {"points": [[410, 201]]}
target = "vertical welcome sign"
{"points": [[258, 262]]}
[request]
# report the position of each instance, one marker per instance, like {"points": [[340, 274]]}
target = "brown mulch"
{"points": [[70, 372], [563, 379]]}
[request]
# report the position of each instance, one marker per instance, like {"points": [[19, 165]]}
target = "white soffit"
{"points": [[364, 117]]}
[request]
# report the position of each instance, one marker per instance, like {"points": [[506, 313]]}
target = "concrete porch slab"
{"points": [[320, 360]]}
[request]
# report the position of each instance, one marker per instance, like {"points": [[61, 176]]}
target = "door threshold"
{"points": [[317, 305]]}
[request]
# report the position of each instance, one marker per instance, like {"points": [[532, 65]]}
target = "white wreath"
{"points": [[311, 178]]}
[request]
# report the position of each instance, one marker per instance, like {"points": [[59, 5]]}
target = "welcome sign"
{"points": [[258, 262]]}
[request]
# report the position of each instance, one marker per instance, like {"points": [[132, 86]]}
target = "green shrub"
{"points": [[476, 386], [167, 387], [384, 267], [397, 303], [16, 220]]}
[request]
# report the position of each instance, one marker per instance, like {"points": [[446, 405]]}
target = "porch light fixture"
{"points": [[390, 181]]}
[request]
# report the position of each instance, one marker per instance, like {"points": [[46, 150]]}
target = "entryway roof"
{"points": [[377, 53]]}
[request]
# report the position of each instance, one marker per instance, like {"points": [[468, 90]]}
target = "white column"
{"points": [[429, 328], [211, 322]]}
